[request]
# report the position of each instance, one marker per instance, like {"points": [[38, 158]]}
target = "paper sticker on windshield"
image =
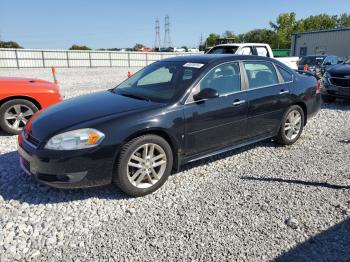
{"points": [[193, 65]]}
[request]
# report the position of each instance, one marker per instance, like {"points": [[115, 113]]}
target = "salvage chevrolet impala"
{"points": [[170, 113]]}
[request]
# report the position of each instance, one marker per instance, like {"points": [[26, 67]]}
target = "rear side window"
{"points": [[247, 51], [287, 76], [260, 74], [225, 79], [262, 51], [223, 50]]}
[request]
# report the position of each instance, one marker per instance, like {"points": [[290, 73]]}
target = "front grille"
{"points": [[340, 81], [31, 139]]}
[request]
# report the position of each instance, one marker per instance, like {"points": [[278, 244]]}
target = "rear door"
{"points": [[219, 122], [268, 97]]}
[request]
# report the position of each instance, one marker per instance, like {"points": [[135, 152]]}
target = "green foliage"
{"points": [[211, 40], [138, 46], [185, 47], [280, 33], [286, 24], [343, 20], [79, 47], [260, 36], [317, 22], [9, 44]]}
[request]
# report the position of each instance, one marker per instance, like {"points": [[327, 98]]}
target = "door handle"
{"points": [[284, 92], [238, 102]]}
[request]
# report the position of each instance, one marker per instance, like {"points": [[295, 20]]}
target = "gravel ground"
{"points": [[259, 203]]}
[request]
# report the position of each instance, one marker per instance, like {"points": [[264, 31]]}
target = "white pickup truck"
{"points": [[253, 49]]}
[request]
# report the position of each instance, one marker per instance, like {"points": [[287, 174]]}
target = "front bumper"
{"points": [[68, 169], [330, 90]]}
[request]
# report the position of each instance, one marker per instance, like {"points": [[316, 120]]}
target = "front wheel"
{"points": [[291, 127], [15, 114], [144, 165]]}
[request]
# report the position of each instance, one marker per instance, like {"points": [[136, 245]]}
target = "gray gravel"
{"points": [[259, 203]]}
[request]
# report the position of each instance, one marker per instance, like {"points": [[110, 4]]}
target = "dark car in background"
{"points": [[336, 82], [318, 63], [170, 113]]}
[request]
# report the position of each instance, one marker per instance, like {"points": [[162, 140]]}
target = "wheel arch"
{"points": [[28, 98], [303, 106]]}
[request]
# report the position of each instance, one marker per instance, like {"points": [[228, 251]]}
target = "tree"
{"points": [[260, 36], [9, 44], [285, 25], [343, 20], [138, 47], [79, 47], [185, 48], [317, 22], [211, 39], [229, 34]]}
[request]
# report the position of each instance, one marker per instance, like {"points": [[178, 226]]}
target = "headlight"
{"points": [[77, 139]]}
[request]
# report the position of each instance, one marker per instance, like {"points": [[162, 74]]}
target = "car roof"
{"points": [[213, 58], [242, 44], [316, 56]]}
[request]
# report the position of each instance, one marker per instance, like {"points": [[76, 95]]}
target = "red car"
{"points": [[20, 98]]}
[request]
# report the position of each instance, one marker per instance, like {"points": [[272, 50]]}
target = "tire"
{"points": [[142, 180], [328, 99], [16, 111], [291, 135]]}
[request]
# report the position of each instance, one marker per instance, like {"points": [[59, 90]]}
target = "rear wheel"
{"points": [[15, 114], [291, 127], [144, 165]]}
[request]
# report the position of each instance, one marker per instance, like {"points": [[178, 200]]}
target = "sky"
{"points": [[107, 23]]}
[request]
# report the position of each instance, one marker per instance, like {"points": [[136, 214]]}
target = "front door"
{"points": [[215, 123]]}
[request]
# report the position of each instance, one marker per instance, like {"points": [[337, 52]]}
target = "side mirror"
{"points": [[340, 61], [206, 93]]}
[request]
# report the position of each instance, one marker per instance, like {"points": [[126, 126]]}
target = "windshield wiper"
{"points": [[135, 96]]}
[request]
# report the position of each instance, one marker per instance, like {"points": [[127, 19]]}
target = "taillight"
{"points": [[306, 67], [318, 87]]}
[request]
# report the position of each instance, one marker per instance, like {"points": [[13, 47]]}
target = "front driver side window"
{"points": [[225, 79]]}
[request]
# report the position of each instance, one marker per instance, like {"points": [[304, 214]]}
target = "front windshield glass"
{"points": [[161, 81], [223, 50], [312, 60]]}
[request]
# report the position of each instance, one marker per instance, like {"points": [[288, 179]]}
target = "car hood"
{"points": [[78, 110], [340, 70]]}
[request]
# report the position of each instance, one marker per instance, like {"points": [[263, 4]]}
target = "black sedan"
{"points": [[169, 113], [336, 82]]}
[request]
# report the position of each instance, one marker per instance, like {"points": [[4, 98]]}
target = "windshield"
{"points": [[160, 82], [312, 60], [223, 50], [347, 61]]}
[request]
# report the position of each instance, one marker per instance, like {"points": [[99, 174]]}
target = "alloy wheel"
{"points": [[17, 116], [292, 125], [146, 165]]}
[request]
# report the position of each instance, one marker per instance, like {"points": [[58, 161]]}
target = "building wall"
{"points": [[334, 42]]}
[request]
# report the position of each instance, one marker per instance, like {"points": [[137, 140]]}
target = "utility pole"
{"points": [[167, 39], [157, 39]]}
